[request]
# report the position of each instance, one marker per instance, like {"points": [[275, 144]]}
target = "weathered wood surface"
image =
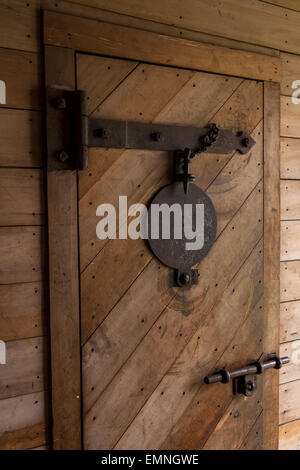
{"points": [[289, 436], [26, 149], [110, 358], [23, 90], [22, 254], [290, 123], [22, 423], [271, 256], [289, 280], [289, 400], [24, 371], [66, 31], [289, 158], [289, 321], [290, 203], [292, 369], [290, 73], [257, 22], [21, 196], [23, 308], [290, 240], [64, 280]]}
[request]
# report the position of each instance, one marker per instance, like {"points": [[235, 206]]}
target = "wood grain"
{"points": [[289, 158], [22, 254], [25, 371], [22, 74], [289, 321], [257, 22], [290, 203], [289, 402], [21, 196], [292, 370], [66, 31], [289, 436], [23, 421], [290, 123], [289, 240], [271, 256], [64, 280], [22, 310], [26, 149]]}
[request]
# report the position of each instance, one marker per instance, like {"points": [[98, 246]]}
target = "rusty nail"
{"points": [[245, 142]]}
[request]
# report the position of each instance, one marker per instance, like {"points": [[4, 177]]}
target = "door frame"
{"points": [[64, 36]]}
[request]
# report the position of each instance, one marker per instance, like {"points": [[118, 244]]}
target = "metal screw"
{"points": [[63, 156], [245, 142], [61, 103], [156, 136], [104, 133], [185, 278], [250, 386]]}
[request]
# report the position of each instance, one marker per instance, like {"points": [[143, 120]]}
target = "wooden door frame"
{"points": [[64, 36]]}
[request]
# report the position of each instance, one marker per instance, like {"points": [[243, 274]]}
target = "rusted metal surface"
{"points": [[172, 252], [244, 379], [148, 136], [67, 130]]}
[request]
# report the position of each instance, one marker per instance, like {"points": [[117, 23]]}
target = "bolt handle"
{"points": [[255, 368]]}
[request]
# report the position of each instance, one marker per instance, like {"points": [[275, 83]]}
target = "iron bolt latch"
{"points": [[245, 380]]}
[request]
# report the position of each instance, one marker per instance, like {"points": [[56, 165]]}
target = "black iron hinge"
{"points": [[70, 132]]}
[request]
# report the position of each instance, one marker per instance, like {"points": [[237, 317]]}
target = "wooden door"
{"points": [[147, 345]]}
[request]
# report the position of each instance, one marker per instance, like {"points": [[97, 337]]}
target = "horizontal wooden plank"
{"points": [[79, 9], [20, 25], [24, 371], [21, 197], [22, 311], [289, 321], [289, 280], [290, 72], [290, 122], [290, 200], [289, 158], [290, 240], [21, 254], [289, 402], [255, 22], [290, 371], [103, 38], [21, 137], [22, 74], [22, 424], [289, 436]]}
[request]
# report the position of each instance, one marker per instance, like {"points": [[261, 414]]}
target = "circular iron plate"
{"points": [[172, 252]]}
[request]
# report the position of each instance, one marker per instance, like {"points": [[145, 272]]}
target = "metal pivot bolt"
{"points": [[60, 103], [63, 156]]}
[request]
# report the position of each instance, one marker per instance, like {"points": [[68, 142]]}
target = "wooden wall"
{"points": [[271, 27]]}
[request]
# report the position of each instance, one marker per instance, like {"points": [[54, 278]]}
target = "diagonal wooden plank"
{"points": [[108, 340], [99, 76], [208, 406], [254, 440], [92, 311], [175, 392], [172, 331], [235, 423]]}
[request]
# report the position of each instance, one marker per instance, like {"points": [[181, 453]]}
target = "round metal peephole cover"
{"points": [[170, 250]]}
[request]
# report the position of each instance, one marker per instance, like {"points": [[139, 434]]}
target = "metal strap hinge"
{"points": [[70, 132]]}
